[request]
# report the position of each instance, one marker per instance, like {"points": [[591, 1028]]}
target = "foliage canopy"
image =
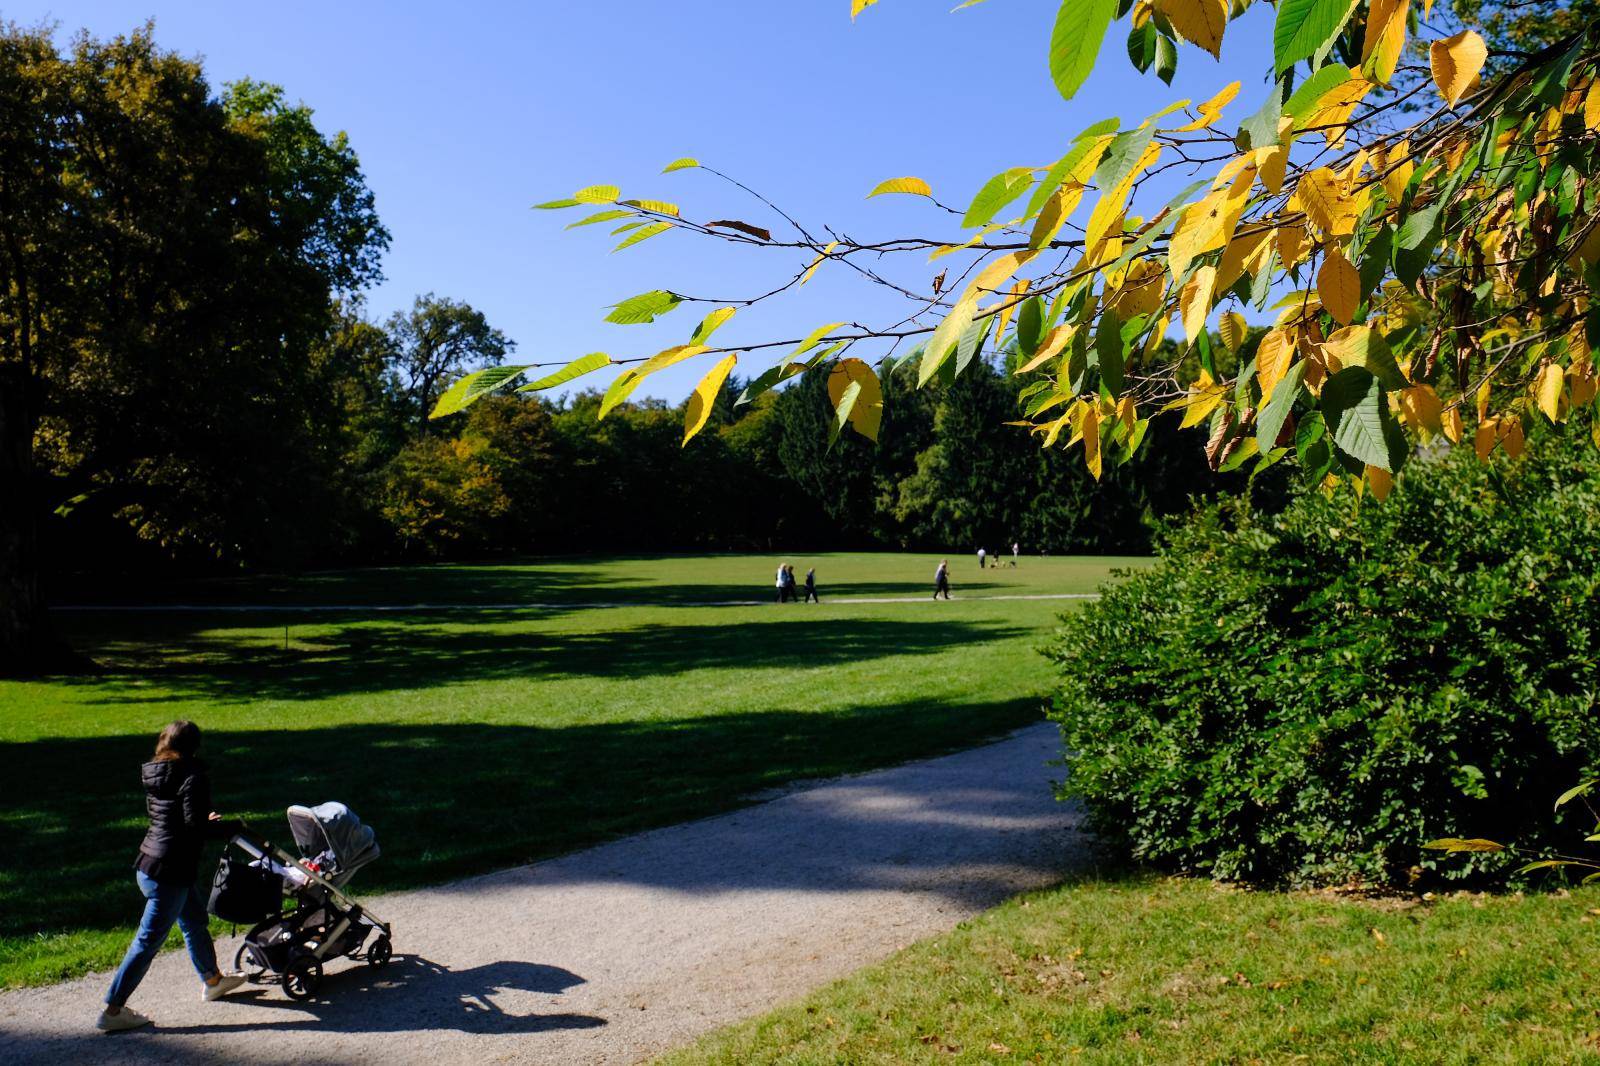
{"points": [[1410, 210]]}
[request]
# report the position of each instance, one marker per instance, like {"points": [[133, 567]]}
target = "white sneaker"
{"points": [[123, 1019], [225, 984]]}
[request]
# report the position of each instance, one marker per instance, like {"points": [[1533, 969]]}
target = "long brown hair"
{"points": [[178, 740]]}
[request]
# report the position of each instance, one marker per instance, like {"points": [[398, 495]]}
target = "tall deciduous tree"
{"points": [[168, 259], [436, 341]]}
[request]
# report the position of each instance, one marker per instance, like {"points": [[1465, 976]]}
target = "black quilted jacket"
{"points": [[177, 797]]}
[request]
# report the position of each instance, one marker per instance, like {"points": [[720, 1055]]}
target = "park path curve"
{"points": [[617, 953]]}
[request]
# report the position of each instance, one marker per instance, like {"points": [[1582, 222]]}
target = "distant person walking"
{"points": [[782, 585], [788, 582], [982, 555], [941, 579], [811, 586], [177, 800], [1016, 549]]}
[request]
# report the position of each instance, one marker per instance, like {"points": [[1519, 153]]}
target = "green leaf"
{"points": [[1166, 58], [1108, 349], [597, 194], [770, 378], [1060, 169], [1269, 423], [551, 205], [575, 369], [1030, 325], [841, 413], [811, 340], [1075, 42], [998, 191], [1352, 402], [1122, 155], [643, 234], [1305, 27], [619, 391], [1574, 792], [1454, 844], [468, 389], [711, 323], [1260, 130], [644, 307], [1142, 46], [600, 216], [1300, 104]]}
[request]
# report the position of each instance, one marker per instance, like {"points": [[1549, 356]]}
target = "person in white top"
{"points": [[1015, 550], [981, 556]]}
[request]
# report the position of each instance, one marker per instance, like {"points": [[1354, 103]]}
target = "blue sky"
{"points": [[464, 120]]}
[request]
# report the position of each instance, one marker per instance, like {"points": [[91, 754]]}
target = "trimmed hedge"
{"points": [[1309, 697]]}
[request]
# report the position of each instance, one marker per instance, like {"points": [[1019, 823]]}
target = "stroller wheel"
{"points": [[244, 962], [301, 979], [380, 952]]}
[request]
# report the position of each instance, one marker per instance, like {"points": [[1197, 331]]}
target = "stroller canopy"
{"points": [[333, 827]]}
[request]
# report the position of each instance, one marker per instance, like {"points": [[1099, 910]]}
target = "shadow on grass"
{"points": [[566, 584], [379, 656], [458, 799]]}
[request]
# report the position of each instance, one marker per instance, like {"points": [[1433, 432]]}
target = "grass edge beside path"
{"points": [[1140, 969]]}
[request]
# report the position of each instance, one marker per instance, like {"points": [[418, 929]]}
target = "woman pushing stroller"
{"points": [[177, 797]]}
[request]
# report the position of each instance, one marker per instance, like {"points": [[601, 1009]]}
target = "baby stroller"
{"points": [[299, 914]]}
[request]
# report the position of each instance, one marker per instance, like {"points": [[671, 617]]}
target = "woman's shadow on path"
{"points": [[413, 994]]}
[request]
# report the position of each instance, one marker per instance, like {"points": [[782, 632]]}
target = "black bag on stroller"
{"points": [[244, 894]]}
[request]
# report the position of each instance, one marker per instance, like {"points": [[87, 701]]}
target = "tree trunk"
{"points": [[27, 642]]}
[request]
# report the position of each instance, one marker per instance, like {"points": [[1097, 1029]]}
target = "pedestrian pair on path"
{"points": [[786, 584], [941, 579]]}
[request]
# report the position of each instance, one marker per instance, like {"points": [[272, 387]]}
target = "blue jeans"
{"points": [[164, 904]]}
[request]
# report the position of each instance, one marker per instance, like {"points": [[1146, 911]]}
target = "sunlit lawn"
{"points": [[1133, 970], [480, 739]]}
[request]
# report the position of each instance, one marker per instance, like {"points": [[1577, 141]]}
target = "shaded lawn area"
{"points": [[632, 579], [475, 741], [1125, 970]]}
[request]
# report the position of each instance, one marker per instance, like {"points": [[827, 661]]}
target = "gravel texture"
{"points": [[614, 954]]}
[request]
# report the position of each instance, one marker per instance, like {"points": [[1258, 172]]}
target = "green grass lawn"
{"points": [[481, 739], [1147, 971]]}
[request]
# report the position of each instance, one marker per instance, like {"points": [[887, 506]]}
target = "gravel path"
{"points": [[617, 953]]}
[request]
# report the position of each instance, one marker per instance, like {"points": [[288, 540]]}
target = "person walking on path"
{"points": [[789, 582], [782, 586], [981, 556], [1016, 549], [811, 586], [941, 579], [177, 799]]}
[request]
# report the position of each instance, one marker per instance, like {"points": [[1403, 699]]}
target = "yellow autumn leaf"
{"points": [[1209, 223], [1290, 239], [1246, 252], [1211, 110], [1581, 382], [1456, 62], [1271, 163], [1325, 198], [1090, 428], [1055, 212], [1420, 409], [1200, 21], [1274, 355], [1384, 40], [1339, 287], [670, 357], [1591, 106], [908, 185], [858, 6], [1547, 389], [1396, 169], [1233, 329], [1195, 301], [1114, 201], [812, 268], [1141, 290], [867, 415], [1381, 482], [704, 397], [1013, 298], [1451, 423], [1333, 109]]}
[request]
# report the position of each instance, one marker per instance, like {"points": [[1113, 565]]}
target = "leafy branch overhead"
{"points": [[1394, 242]]}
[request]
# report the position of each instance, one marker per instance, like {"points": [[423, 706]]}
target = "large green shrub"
{"points": [[1311, 696]]}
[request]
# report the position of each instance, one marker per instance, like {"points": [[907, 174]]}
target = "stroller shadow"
{"points": [[415, 994]]}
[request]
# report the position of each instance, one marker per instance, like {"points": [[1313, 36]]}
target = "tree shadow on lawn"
{"points": [[447, 800], [381, 656], [558, 585]]}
